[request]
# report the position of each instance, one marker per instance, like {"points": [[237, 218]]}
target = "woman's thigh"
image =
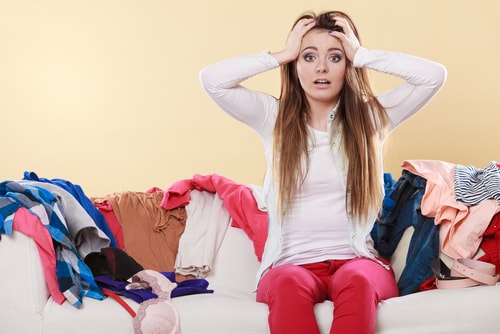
{"points": [[291, 280]]}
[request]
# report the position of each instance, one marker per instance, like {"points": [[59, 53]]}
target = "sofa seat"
{"points": [[26, 306]]}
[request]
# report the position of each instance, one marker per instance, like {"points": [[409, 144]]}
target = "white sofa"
{"points": [[26, 306]]}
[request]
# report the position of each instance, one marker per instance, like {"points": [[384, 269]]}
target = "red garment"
{"points": [[355, 286], [115, 227], [429, 284], [491, 243], [238, 200]]}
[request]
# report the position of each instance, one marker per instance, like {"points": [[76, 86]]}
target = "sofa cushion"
{"points": [[233, 281], [94, 316], [220, 313], [457, 311]]}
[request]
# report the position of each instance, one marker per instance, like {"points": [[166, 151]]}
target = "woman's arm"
{"points": [[423, 78], [221, 81]]}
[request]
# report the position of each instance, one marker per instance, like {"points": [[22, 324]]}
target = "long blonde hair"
{"points": [[360, 120]]}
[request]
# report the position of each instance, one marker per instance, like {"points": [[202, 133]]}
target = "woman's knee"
{"points": [[288, 280], [364, 277]]}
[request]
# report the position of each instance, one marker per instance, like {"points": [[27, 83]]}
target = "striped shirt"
{"points": [[473, 185]]}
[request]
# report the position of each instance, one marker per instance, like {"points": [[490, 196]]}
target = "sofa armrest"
{"points": [[22, 282]]}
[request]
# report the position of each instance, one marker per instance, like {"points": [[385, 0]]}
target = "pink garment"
{"points": [[462, 226], [355, 286], [29, 224], [155, 315], [238, 200]]}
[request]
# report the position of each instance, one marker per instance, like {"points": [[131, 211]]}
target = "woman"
{"points": [[324, 183]]}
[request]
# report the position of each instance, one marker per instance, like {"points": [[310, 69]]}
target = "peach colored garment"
{"points": [[151, 233], [462, 226]]}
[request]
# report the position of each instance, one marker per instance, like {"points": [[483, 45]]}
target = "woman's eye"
{"points": [[335, 58], [309, 57]]}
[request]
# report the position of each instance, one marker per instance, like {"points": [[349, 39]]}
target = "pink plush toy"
{"points": [[157, 315]]}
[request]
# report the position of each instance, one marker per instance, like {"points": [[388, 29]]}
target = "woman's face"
{"points": [[321, 67]]}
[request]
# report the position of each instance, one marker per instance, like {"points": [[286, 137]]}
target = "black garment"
{"points": [[113, 262]]}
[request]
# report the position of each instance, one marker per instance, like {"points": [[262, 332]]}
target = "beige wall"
{"points": [[105, 93]]}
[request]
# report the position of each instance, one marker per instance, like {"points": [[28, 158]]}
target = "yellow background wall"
{"points": [[105, 93]]}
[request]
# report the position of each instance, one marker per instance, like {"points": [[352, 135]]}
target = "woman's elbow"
{"points": [[203, 78], [441, 75]]}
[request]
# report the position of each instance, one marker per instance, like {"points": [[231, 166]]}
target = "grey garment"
{"points": [[473, 185], [85, 234]]}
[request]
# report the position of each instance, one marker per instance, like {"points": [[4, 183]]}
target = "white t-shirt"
{"points": [[317, 227]]}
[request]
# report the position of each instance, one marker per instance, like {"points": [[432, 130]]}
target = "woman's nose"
{"points": [[321, 67]]}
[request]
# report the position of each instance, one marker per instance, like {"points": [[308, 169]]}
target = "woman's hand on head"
{"points": [[292, 47], [348, 39]]}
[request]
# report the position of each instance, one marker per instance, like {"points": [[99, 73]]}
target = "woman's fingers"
{"points": [[295, 37], [348, 39], [303, 26]]}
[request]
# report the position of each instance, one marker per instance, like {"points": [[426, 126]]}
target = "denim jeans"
{"points": [[391, 225]]}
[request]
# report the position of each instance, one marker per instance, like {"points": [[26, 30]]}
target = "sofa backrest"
{"points": [[398, 258], [235, 265]]}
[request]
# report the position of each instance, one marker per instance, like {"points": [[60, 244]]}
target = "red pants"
{"points": [[355, 287]]}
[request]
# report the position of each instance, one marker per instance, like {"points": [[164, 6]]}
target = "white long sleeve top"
{"points": [[319, 227]]}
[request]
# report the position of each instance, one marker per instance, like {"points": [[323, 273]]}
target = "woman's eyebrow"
{"points": [[313, 48], [316, 49]]}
